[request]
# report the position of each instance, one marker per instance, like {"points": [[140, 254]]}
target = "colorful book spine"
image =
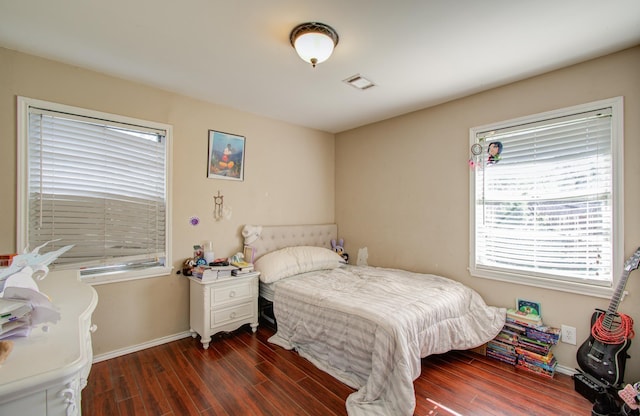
{"points": [[534, 369], [544, 334]]}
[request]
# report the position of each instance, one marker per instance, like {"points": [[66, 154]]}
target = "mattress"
{"points": [[267, 290]]}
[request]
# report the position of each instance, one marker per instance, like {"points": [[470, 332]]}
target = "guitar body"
{"points": [[605, 362]]}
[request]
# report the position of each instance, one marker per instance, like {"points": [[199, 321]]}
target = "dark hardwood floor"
{"points": [[242, 374]]}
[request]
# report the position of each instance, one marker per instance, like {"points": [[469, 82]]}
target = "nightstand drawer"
{"points": [[235, 313], [231, 292]]}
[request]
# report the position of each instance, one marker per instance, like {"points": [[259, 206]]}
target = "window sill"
{"points": [[570, 287], [105, 278]]}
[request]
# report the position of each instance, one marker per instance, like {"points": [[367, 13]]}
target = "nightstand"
{"points": [[222, 305]]}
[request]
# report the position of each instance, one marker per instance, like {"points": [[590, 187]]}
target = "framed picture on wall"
{"points": [[226, 156]]}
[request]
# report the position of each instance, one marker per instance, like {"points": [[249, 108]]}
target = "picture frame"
{"points": [[226, 156], [249, 254]]}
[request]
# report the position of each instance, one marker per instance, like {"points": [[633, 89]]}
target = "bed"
{"points": [[368, 327]]}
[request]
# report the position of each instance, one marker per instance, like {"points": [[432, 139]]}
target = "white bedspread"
{"points": [[369, 327]]}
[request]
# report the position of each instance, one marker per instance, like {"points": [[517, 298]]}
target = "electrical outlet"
{"points": [[569, 335]]}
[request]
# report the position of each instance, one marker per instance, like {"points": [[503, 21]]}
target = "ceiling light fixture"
{"points": [[313, 41]]}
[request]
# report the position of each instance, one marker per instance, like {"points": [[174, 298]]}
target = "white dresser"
{"points": [[222, 305], [46, 371]]}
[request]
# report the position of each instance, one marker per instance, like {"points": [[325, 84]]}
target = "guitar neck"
{"points": [[612, 311], [630, 265]]}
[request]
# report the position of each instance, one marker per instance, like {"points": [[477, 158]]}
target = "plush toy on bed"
{"points": [[339, 248]]}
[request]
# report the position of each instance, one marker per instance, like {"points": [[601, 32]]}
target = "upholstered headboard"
{"points": [[268, 238]]}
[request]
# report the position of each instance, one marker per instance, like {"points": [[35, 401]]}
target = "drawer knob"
{"points": [[232, 294], [232, 315], [93, 328]]}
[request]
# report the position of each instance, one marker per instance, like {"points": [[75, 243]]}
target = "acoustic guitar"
{"points": [[606, 359]]}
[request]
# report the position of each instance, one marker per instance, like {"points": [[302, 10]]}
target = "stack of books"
{"points": [[523, 318], [544, 365], [525, 342], [242, 268], [544, 333], [502, 351], [503, 346], [209, 273], [15, 317]]}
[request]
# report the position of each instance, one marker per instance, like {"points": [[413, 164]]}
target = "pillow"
{"points": [[295, 260]]}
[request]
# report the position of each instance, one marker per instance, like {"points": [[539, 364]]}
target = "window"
{"points": [[547, 211], [98, 181]]}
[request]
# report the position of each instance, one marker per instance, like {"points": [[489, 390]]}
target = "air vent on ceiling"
{"points": [[359, 82]]}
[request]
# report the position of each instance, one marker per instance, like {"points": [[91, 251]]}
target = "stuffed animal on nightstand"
{"points": [[339, 248]]}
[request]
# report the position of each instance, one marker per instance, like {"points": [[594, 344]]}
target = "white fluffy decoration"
{"points": [[251, 233]]}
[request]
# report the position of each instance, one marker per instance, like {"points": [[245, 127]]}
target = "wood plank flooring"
{"points": [[242, 374]]}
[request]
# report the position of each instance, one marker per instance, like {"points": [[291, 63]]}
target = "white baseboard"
{"points": [[565, 370], [140, 347]]}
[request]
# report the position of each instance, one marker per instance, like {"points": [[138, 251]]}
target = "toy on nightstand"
{"points": [[197, 260], [187, 267], [339, 248], [198, 256]]}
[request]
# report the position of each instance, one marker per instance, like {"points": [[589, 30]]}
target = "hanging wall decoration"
{"points": [[218, 206], [476, 152], [493, 151]]}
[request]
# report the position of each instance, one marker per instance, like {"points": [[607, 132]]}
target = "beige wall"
{"points": [[289, 178], [403, 186]]}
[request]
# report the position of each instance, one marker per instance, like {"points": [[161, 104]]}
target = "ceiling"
{"points": [[419, 53]]}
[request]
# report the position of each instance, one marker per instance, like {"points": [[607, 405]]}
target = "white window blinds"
{"points": [[546, 208], [99, 185]]}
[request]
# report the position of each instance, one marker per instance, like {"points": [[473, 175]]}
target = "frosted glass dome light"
{"points": [[314, 42]]}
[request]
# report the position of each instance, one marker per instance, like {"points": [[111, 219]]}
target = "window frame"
{"points": [[22, 220], [617, 154]]}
